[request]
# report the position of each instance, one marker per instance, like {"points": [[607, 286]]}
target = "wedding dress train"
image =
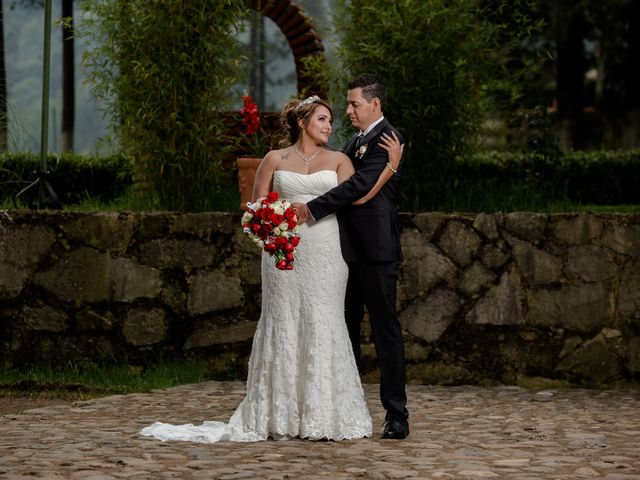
{"points": [[303, 380]]}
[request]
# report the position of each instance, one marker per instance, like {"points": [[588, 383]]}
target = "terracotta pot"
{"points": [[246, 175]]}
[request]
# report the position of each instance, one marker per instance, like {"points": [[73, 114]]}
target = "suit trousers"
{"points": [[373, 284]]}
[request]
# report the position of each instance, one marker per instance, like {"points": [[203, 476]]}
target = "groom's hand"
{"points": [[302, 210]]}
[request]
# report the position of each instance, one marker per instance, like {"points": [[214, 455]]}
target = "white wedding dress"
{"points": [[303, 381]]}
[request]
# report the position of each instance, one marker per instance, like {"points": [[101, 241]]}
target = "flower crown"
{"points": [[307, 101]]}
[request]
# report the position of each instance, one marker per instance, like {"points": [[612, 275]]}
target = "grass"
{"points": [[94, 381], [489, 197], [129, 202], [224, 198], [466, 196], [605, 208], [512, 200], [518, 197]]}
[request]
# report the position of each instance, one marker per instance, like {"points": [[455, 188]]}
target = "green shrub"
{"points": [[504, 181], [73, 178], [486, 182], [602, 177]]}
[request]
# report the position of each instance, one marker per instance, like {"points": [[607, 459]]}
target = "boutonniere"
{"points": [[362, 150]]}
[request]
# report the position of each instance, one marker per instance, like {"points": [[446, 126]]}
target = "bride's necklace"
{"points": [[306, 160]]}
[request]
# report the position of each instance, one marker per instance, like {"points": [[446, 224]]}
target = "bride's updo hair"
{"points": [[300, 110]]}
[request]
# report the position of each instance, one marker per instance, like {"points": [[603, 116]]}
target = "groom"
{"points": [[370, 244]]}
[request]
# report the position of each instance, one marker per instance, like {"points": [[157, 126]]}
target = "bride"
{"points": [[303, 381]]}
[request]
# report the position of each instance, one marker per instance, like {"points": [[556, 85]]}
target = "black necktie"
{"points": [[359, 140]]}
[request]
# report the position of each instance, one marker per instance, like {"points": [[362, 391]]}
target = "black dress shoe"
{"points": [[396, 429]]}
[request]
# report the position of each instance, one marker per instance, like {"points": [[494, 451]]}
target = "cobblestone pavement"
{"points": [[456, 433]]}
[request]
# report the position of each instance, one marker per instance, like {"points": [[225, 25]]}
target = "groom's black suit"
{"points": [[370, 244]]}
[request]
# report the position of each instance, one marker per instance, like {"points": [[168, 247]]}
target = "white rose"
{"points": [[276, 232], [284, 226]]}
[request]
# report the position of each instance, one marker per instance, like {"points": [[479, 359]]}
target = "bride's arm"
{"points": [[345, 168], [395, 149], [264, 176]]}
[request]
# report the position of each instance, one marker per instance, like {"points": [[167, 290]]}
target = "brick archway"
{"points": [[299, 32]]}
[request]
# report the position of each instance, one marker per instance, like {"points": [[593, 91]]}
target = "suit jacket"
{"points": [[369, 232]]}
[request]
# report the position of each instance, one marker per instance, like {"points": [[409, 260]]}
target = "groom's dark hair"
{"points": [[372, 87]]}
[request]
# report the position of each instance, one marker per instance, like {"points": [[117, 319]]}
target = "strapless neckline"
{"points": [[305, 174]]}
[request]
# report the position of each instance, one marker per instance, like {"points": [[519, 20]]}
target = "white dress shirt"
{"points": [[370, 127]]}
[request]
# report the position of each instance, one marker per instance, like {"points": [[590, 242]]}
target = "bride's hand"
{"points": [[302, 211], [394, 148]]}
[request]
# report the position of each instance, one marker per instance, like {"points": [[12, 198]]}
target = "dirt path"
{"points": [[19, 404]]}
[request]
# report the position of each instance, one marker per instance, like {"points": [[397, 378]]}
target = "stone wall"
{"points": [[482, 298]]}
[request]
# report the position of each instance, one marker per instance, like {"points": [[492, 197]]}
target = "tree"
{"points": [[446, 65], [615, 30], [165, 70], [68, 78], [594, 71], [3, 87], [632, 78]]}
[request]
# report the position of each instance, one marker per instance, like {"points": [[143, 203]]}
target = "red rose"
{"points": [[290, 214], [266, 213], [270, 247], [281, 265], [295, 241], [265, 231], [289, 266], [272, 197], [289, 257]]}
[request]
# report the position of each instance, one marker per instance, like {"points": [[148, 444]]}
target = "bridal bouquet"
{"points": [[273, 224]]}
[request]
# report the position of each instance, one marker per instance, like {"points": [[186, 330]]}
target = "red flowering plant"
{"points": [[251, 115], [272, 223]]}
